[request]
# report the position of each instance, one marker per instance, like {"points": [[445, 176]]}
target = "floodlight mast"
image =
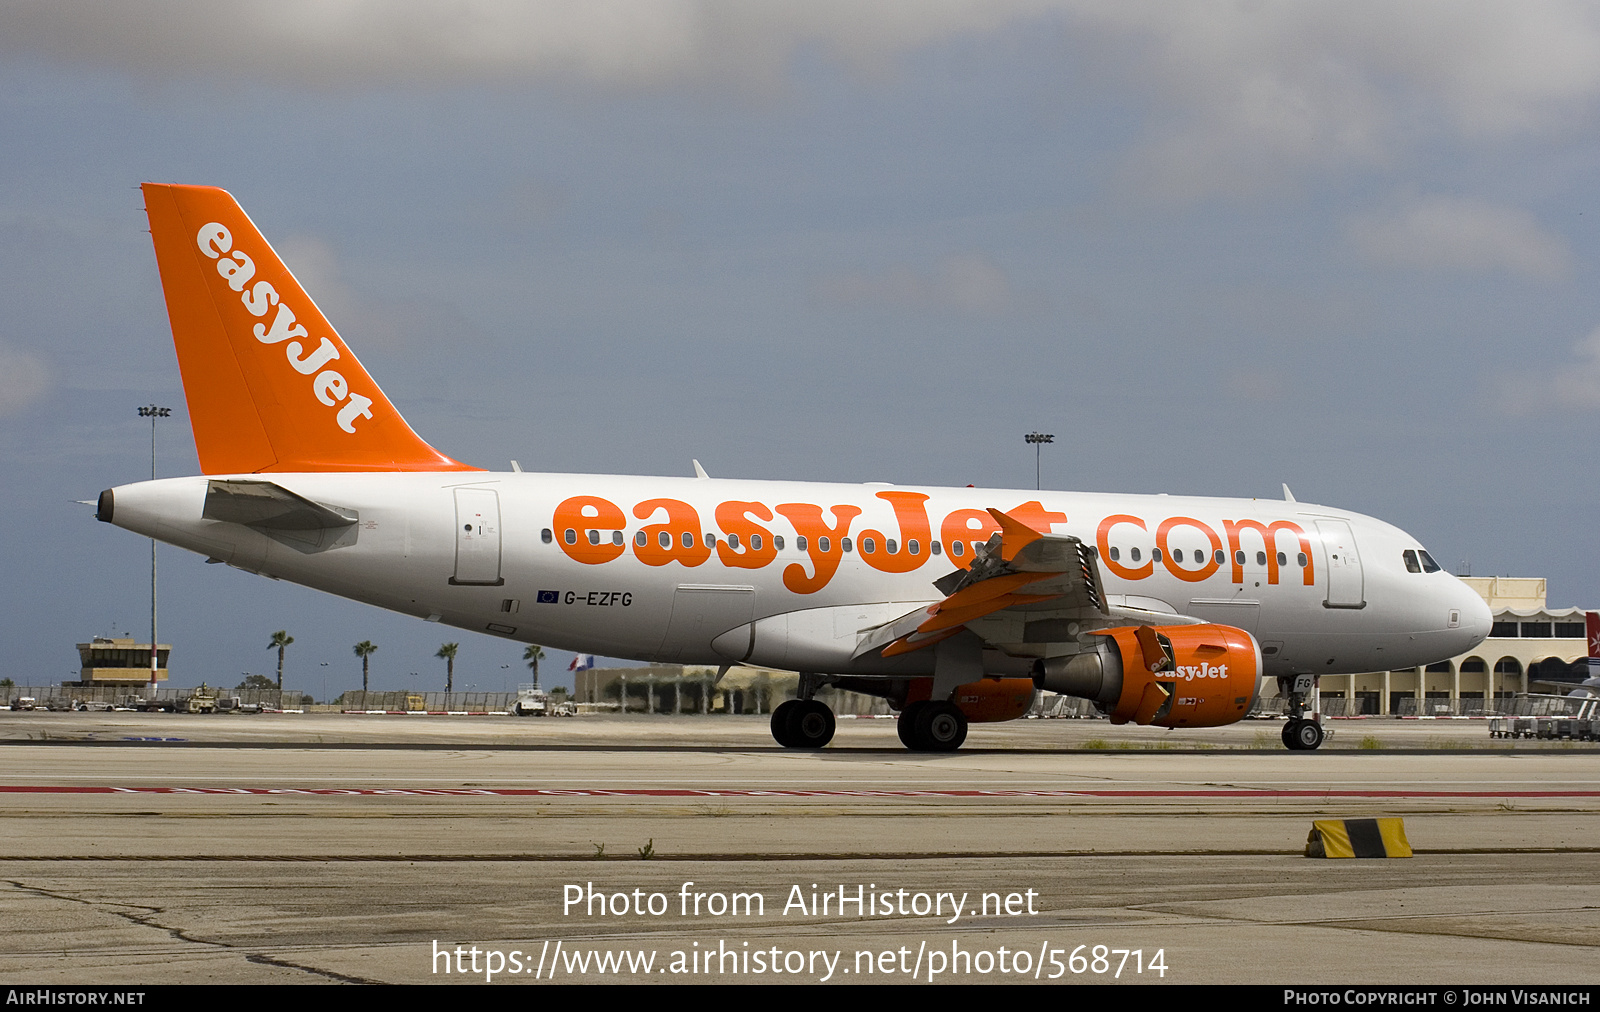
{"points": [[153, 412], [1038, 439]]}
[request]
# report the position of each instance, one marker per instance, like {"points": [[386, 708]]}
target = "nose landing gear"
{"points": [[1302, 735], [1304, 731]]}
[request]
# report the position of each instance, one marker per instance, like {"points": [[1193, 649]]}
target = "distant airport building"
{"points": [[1531, 648], [120, 661]]}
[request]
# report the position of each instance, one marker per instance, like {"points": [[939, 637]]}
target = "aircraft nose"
{"points": [[1476, 618]]}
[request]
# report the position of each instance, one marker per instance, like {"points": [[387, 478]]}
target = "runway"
{"points": [[335, 849]]}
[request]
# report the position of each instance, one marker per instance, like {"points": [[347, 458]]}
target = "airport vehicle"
{"points": [[952, 603], [531, 701], [201, 700], [24, 703], [153, 704]]}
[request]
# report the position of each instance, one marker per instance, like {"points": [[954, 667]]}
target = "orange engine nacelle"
{"points": [[1170, 676], [986, 701]]}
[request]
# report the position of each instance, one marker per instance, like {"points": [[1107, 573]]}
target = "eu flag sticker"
{"points": [[549, 596]]}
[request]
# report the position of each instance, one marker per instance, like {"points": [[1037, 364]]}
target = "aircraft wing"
{"points": [[1023, 586]]}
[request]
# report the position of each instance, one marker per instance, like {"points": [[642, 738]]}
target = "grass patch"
{"points": [[1096, 743], [1369, 743]]}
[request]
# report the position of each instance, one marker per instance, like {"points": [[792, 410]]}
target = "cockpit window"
{"points": [[1419, 561]]}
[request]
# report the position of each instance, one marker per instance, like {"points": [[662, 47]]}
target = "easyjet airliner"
{"points": [[954, 604]]}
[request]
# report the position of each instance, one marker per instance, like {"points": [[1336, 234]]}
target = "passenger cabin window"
{"points": [[1177, 555], [1283, 560], [571, 536], [594, 537], [868, 546], [546, 536], [777, 542], [824, 545], [1133, 553], [616, 537], [641, 539], [800, 543], [688, 540], [755, 542], [1261, 558], [1116, 553], [890, 546], [844, 543], [958, 548], [1221, 557], [933, 547], [733, 542], [1155, 553]]}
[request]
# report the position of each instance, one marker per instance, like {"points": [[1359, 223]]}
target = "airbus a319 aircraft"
{"points": [[954, 604]]}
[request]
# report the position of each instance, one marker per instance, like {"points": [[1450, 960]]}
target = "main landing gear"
{"points": [[927, 726], [802, 723]]}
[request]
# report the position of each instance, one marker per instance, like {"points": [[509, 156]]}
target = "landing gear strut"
{"points": [[1303, 732], [927, 726]]}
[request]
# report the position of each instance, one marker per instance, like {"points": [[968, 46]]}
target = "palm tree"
{"points": [[532, 655], [280, 639], [448, 652], [363, 650]]}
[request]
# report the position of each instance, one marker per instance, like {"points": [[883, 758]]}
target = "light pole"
{"points": [[153, 412], [1038, 439]]}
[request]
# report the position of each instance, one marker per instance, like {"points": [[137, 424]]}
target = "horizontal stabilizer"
{"points": [[267, 506]]}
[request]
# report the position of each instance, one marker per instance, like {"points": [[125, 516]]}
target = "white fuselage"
{"points": [[1323, 590]]}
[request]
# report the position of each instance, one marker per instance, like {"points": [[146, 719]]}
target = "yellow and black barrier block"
{"points": [[1358, 838]]}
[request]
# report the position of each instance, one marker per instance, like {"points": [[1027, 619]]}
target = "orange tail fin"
{"points": [[271, 386]]}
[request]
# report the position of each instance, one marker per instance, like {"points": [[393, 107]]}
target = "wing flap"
{"points": [[1018, 567]]}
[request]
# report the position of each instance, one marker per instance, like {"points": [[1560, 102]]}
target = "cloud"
{"points": [[968, 283], [1450, 233], [1248, 91], [1242, 94], [613, 42], [24, 378], [1575, 385], [1578, 386]]}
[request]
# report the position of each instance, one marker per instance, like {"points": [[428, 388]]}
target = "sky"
{"points": [[1213, 247]]}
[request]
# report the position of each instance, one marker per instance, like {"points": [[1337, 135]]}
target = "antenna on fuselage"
{"points": [[699, 472], [1288, 496]]}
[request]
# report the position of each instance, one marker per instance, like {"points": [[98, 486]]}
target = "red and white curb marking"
{"points": [[679, 792]]}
